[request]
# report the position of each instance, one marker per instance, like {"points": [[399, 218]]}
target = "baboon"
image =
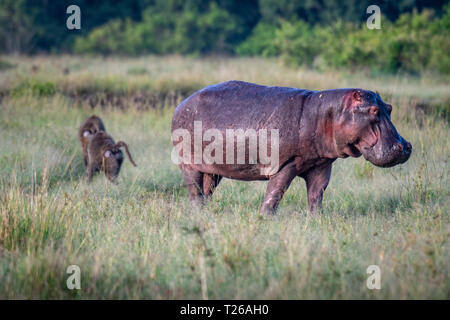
{"points": [[87, 130], [105, 155]]}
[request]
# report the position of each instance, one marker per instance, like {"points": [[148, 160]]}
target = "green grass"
{"points": [[142, 239]]}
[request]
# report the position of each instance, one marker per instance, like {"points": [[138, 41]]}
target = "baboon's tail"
{"points": [[123, 144]]}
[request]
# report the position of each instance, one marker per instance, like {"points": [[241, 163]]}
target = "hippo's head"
{"points": [[364, 127]]}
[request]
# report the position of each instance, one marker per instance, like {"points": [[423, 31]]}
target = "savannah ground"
{"points": [[141, 238]]}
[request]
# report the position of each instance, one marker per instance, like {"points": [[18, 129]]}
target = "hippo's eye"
{"points": [[374, 112]]}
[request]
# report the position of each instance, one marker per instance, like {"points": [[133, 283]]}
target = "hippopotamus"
{"points": [[309, 131]]}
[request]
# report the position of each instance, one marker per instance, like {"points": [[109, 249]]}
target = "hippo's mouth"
{"points": [[366, 144], [352, 150]]}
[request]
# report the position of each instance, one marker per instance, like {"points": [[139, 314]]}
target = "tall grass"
{"points": [[142, 239], [184, 74]]}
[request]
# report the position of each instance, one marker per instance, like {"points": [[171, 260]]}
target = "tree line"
{"points": [[414, 34]]}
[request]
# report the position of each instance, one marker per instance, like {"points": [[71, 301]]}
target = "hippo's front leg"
{"points": [[316, 182], [278, 184]]}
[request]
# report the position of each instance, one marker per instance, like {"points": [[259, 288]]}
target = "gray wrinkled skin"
{"points": [[315, 128]]}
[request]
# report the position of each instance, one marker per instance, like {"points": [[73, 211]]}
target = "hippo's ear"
{"points": [[357, 95]]}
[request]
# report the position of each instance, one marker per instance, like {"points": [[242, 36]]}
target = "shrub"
{"points": [[416, 42], [107, 39], [34, 87], [137, 71], [4, 65], [297, 42], [260, 42], [161, 32]]}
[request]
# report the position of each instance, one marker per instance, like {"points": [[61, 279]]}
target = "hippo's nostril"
{"points": [[399, 146], [408, 147]]}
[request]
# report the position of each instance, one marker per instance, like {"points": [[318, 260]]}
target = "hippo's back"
{"points": [[238, 104]]}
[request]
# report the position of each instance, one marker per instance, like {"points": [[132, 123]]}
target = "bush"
{"points": [[35, 88], [137, 71], [416, 42], [297, 42], [5, 65], [107, 39], [260, 42], [188, 32]]}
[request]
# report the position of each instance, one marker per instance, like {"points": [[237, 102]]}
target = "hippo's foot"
{"points": [[267, 211]]}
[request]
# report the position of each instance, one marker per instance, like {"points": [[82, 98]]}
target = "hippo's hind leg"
{"points": [[210, 183], [194, 184], [278, 184]]}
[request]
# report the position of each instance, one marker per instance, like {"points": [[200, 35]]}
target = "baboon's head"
{"points": [[113, 158], [112, 162], [89, 128]]}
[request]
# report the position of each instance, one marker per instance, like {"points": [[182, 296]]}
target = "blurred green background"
{"points": [[414, 34]]}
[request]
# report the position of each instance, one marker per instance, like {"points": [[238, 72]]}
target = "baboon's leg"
{"points": [[316, 182], [89, 172], [85, 159], [194, 184], [278, 184], [210, 183]]}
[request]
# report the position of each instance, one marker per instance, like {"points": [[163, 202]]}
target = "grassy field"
{"points": [[142, 239]]}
